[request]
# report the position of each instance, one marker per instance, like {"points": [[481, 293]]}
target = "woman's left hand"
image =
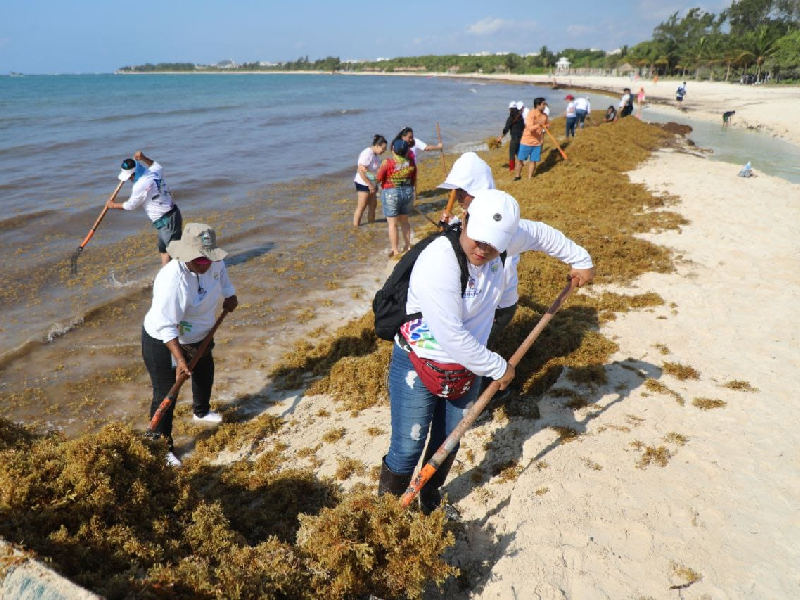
{"points": [[230, 303]]}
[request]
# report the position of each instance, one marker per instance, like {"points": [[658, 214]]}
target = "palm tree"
{"points": [[759, 45]]}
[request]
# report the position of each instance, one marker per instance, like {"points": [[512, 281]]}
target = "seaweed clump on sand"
{"points": [[107, 512], [591, 199]]}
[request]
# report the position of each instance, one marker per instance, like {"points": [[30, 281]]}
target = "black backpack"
{"points": [[389, 304]]}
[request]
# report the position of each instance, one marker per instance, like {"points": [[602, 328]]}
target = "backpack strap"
{"points": [[453, 233]]}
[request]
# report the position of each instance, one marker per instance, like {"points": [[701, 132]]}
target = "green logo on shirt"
{"points": [[184, 327]]}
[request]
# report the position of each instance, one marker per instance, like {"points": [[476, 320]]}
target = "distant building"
{"points": [[227, 64], [562, 65]]}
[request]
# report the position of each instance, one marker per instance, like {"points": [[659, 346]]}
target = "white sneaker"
{"points": [[211, 418], [172, 460]]}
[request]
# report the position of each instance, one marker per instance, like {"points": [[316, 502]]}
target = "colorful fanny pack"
{"points": [[446, 380]]}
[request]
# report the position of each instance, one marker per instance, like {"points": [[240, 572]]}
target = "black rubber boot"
{"points": [[429, 497], [392, 483]]}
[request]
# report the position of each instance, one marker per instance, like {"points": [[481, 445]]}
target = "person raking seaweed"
{"points": [[454, 287], [151, 190], [186, 293]]}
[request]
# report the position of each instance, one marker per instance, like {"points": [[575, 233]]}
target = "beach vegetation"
{"points": [[658, 455], [680, 371], [739, 386], [708, 403]]}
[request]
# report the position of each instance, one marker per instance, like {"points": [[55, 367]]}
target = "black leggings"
{"points": [[513, 149], [158, 360]]}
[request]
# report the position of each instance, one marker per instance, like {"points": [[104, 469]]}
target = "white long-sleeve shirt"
{"points": [[454, 329], [152, 191], [185, 303], [583, 104]]}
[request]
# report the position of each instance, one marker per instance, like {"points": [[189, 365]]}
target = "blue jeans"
{"points": [[581, 116], [571, 125], [415, 411], [397, 201]]}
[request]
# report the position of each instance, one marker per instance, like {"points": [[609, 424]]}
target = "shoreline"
{"points": [[773, 109]]}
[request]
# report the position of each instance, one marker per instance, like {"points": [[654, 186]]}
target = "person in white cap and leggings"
{"points": [[437, 357], [150, 190], [186, 293]]}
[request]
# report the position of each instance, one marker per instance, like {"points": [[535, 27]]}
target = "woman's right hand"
{"points": [[507, 377]]}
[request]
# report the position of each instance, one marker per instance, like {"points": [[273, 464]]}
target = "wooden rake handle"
{"points": [[102, 214], [181, 379], [563, 154], [455, 436]]}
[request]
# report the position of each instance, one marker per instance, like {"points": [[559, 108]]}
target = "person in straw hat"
{"points": [[186, 293], [437, 356]]}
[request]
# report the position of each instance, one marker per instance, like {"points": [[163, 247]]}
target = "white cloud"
{"points": [[490, 26], [487, 26]]}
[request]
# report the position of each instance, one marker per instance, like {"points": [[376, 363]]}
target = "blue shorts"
{"points": [[397, 201], [532, 153]]}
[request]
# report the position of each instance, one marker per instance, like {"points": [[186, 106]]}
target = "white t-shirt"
{"points": [[368, 159], [525, 112], [454, 329], [624, 100], [546, 110], [419, 145], [152, 191], [571, 109], [185, 303], [582, 104]]}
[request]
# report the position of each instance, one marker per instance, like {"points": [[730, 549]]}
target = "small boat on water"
{"points": [[15, 74]]}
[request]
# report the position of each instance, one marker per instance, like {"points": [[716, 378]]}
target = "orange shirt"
{"points": [[534, 128]]}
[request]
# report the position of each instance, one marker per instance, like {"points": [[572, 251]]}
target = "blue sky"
{"points": [[48, 36]]}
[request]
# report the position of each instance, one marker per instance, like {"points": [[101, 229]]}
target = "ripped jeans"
{"points": [[415, 411]]}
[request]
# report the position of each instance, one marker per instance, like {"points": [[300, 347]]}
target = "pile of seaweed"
{"points": [[106, 511], [590, 198]]}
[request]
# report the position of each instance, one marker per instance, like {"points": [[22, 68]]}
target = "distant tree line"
{"points": [[754, 39]]}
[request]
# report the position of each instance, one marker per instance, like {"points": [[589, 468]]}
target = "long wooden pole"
{"points": [[563, 154], [75, 255], [452, 199], [455, 436], [172, 395]]}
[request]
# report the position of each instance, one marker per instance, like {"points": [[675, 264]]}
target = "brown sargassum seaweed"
{"points": [[106, 511]]}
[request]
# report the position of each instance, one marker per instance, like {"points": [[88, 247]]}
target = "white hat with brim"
{"points": [[493, 218], [512, 104], [470, 173], [520, 104], [198, 239]]}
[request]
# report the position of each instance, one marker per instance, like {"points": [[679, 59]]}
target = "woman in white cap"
{"points": [[150, 190], [515, 124], [186, 293], [437, 356]]}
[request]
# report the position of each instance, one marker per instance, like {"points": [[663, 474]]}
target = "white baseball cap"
{"points": [[512, 104], [470, 173], [519, 104], [493, 218]]}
